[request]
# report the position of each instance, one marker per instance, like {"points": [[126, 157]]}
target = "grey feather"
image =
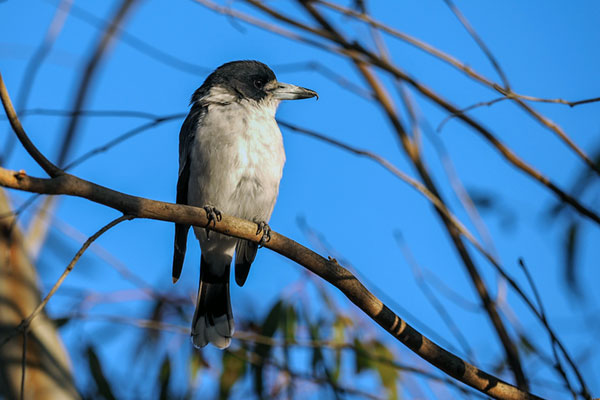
{"points": [[186, 138]]}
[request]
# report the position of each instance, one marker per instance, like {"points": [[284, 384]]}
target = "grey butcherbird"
{"points": [[230, 160]]}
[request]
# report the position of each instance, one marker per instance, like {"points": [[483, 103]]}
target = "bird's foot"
{"points": [[213, 216], [266, 231]]}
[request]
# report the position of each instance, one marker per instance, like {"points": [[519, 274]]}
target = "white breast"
{"points": [[237, 160]]}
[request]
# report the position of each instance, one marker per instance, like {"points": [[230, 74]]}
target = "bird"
{"points": [[231, 160]]}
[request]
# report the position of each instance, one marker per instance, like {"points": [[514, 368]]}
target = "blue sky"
{"points": [[547, 49]]}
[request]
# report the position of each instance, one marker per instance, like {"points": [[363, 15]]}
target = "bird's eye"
{"points": [[259, 83]]}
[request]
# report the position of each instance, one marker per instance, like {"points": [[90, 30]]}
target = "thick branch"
{"points": [[329, 270]]}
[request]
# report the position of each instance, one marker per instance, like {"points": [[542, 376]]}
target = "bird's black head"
{"points": [[246, 79], [251, 80]]}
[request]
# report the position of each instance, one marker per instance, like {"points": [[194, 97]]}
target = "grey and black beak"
{"points": [[287, 91]]}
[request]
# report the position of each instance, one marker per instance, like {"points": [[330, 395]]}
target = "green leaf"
{"points": [[164, 377], [571, 241], [317, 354], [387, 373], [262, 350], [526, 345], [60, 322], [362, 361], [197, 362], [290, 322], [104, 389], [482, 200], [338, 337], [234, 367], [271, 322]]}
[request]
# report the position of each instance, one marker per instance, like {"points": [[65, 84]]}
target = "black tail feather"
{"points": [[245, 253], [213, 319]]}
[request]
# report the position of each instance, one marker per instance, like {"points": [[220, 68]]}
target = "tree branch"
{"points": [[327, 269], [50, 168]]}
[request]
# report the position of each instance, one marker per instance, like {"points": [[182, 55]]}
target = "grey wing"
{"points": [[186, 140], [245, 252]]}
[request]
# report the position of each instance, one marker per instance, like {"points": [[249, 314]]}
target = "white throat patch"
{"points": [[218, 95]]}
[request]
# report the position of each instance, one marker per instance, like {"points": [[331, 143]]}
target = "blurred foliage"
{"points": [[289, 352]]}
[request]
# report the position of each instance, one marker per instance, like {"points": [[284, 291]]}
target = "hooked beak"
{"points": [[286, 91]]}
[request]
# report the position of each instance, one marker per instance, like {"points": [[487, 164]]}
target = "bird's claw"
{"points": [[266, 231], [213, 215]]}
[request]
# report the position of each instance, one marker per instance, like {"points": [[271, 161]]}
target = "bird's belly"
{"points": [[260, 160], [239, 166]]}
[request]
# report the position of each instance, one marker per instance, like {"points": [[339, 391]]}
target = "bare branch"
{"points": [[121, 138], [488, 53], [50, 168], [431, 297], [87, 113], [329, 270], [557, 362], [394, 170]]}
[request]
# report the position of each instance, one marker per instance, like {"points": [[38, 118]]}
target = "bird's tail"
{"points": [[213, 319]]}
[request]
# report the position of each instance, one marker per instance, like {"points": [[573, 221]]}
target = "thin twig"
{"points": [[24, 363], [86, 113], [121, 138], [27, 321], [512, 96], [554, 127], [43, 162], [557, 362], [33, 66], [467, 109], [488, 53], [395, 171], [433, 300]]}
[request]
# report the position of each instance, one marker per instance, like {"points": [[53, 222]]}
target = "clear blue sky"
{"points": [[548, 49]]}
